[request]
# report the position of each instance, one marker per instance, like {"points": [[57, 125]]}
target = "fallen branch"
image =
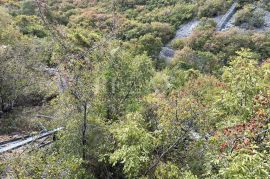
{"points": [[164, 153], [44, 116]]}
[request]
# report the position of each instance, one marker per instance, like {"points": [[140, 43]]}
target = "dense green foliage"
{"points": [[94, 67], [251, 16]]}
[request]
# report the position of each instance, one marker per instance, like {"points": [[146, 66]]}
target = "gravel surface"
{"points": [[186, 29]]}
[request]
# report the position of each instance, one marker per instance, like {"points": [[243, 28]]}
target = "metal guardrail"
{"points": [[227, 17], [14, 144]]}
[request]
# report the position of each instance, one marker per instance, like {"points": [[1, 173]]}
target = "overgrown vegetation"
{"points": [[250, 17], [93, 67]]}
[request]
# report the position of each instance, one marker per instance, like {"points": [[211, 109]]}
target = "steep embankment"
{"points": [[224, 23], [184, 31], [265, 27]]}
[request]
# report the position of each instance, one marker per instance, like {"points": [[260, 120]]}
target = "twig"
{"points": [[164, 153], [44, 116]]}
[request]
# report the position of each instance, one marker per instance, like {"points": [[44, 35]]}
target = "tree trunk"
{"points": [[84, 131]]}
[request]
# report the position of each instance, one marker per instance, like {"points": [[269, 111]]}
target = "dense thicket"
{"points": [[93, 65]]}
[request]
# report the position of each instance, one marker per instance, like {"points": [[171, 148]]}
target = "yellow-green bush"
{"points": [[250, 16], [211, 8]]}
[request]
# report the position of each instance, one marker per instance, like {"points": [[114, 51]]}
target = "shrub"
{"points": [[161, 82], [83, 38], [44, 165], [132, 29], [178, 44], [245, 164], [243, 2], [31, 25], [266, 4], [204, 61], [185, 57], [124, 5], [150, 44], [151, 4], [180, 13], [28, 7], [89, 17], [206, 24], [228, 42], [211, 8], [174, 15], [162, 30], [261, 44], [200, 37], [250, 17]]}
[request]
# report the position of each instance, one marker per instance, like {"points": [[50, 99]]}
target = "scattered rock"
{"points": [[186, 29]]}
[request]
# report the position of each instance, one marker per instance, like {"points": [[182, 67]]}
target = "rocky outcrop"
{"points": [[166, 52], [62, 81]]}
